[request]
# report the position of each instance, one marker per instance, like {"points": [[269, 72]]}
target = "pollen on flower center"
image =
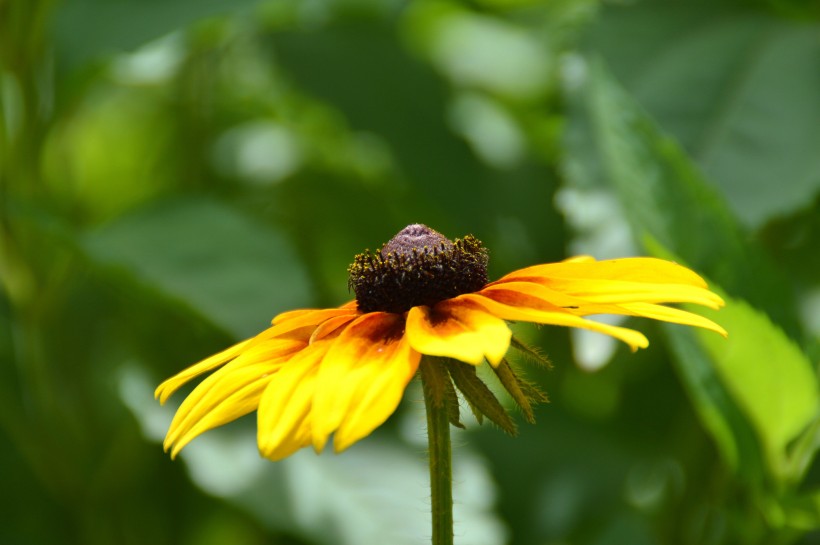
{"points": [[418, 266]]}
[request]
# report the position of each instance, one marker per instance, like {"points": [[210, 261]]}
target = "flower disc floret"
{"points": [[418, 266]]}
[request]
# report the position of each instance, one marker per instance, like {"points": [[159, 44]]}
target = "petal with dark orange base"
{"points": [[299, 319], [331, 326], [581, 307], [620, 291], [584, 307], [361, 379], [553, 299], [460, 329], [516, 306]]}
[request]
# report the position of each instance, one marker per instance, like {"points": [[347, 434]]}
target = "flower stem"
{"points": [[440, 455]]}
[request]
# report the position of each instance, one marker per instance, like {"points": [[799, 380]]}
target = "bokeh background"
{"points": [[173, 173]]}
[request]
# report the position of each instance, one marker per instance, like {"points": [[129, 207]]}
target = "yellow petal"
{"points": [[604, 297], [230, 392], [379, 395], [632, 269], [291, 314], [283, 420], [227, 397], [581, 307], [171, 385], [674, 315], [457, 328], [361, 379], [299, 319], [580, 259], [331, 327], [618, 291], [564, 301], [513, 305]]}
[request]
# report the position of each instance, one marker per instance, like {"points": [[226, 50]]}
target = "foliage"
{"points": [[173, 174]]}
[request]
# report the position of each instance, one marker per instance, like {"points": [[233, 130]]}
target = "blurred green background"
{"points": [[174, 173]]}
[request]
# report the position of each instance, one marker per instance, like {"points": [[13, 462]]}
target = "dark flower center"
{"points": [[418, 266]]}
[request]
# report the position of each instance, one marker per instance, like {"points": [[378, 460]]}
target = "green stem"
{"points": [[441, 466]]}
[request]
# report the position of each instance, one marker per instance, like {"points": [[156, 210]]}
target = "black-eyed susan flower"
{"points": [[342, 372]]}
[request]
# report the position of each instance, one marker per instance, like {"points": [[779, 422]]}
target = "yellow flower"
{"points": [[343, 371]]}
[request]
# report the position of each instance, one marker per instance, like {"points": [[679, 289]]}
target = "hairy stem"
{"points": [[440, 454]]}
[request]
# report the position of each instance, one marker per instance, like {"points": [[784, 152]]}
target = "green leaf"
{"points": [[737, 87], [729, 426], [233, 271], [767, 376]]}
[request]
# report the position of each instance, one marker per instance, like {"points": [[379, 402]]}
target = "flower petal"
{"points": [[674, 315], [613, 302], [638, 279], [514, 305], [171, 385], [283, 419], [619, 291], [291, 314], [460, 329], [581, 307], [236, 395], [331, 327], [362, 379], [564, 301], [631, 269], [229, 393], [298, 319], [381, 394]]}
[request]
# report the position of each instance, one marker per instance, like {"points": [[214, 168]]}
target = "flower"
{"points": [[343, 371]]}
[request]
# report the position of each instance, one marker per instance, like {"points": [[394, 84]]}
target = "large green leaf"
{"points": [[206, 255], [736, 85], [767, 377], [730, 428], [755, 391]]}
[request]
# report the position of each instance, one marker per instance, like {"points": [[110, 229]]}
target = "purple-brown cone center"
{"points": [[418, 266]]}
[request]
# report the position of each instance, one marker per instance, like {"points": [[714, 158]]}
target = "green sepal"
{"points": [[479, 416], [524, 393], [439, 387], [479, 397], [531, 353], [451, 398]]}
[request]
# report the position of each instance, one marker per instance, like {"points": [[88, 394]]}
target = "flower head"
{"points": [[343, 371]]}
